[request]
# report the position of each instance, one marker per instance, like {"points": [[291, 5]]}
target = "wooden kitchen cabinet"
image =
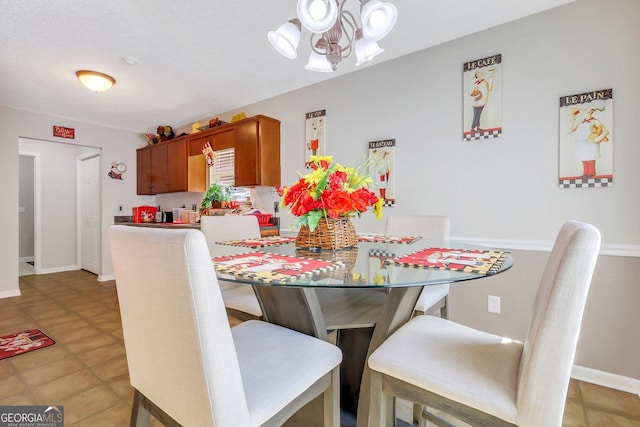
{"points": [[223, 137], [167, 168], [257, 148], [143, 168], [178, 165], [152, 170]]}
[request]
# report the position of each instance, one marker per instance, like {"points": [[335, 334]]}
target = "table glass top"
{"points": [[370, 265]]}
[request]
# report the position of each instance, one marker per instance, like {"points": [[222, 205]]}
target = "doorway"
{"points": [[66, 206], [26, 209], [89, 227]]}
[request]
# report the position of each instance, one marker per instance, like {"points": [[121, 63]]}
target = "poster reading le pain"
{"points": [[586, 140]]}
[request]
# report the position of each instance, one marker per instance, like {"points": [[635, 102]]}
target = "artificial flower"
{"points": [[330, 190]]}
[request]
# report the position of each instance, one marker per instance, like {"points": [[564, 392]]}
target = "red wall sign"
{"points": [[64, 132]]}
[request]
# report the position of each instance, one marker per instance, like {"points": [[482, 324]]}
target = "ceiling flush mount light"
{"points": [[335, 32], [95, 81]]}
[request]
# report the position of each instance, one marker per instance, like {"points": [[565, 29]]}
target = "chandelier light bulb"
{"points": [[377, 19], [318, 9], [318, 16]]}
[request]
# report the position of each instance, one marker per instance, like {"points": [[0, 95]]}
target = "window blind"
{"points": [[223, 171]]}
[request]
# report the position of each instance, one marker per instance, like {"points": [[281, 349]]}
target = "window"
{"points": [[223, 173]]}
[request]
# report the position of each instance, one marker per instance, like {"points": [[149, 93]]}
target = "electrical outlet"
{"points": [[120, 208], [493, 304]]}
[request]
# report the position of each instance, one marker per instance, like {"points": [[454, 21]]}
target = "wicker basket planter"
{"points": [[331, 233], [346, 256]]}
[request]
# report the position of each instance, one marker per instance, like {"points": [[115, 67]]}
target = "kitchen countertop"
{"points": [[271, 230], [161, 224]]}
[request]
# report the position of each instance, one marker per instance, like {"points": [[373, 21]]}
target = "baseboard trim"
{"points": [[57, 269], [106, 277], [606, 379], [9, 294]]}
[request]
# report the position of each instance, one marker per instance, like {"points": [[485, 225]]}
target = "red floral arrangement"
{"points": [[329, 191]]}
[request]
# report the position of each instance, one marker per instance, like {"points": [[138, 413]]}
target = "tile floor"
{"points": [[86, 370]]}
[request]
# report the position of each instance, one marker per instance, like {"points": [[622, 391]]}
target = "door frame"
{"points": [[37, 191], [79, 231]]}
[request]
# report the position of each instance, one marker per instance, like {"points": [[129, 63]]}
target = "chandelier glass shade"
{"points": [[286, 38], [95, 81], [318, 58], [335, 32]]}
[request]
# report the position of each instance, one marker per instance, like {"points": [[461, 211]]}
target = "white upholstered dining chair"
{"points": [[239, 299], [188, 367], [434, 227], [485, 379]]}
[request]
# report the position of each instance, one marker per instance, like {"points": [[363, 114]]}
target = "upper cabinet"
{"points": [[167, 168], [256, 141], [178, 164]]}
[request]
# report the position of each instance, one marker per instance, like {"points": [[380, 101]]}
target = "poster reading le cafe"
{"points": [[586, 140], [482, 98]]}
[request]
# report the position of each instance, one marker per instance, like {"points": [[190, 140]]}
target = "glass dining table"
{"points": [[361, 294]]}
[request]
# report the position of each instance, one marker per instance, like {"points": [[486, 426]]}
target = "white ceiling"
{"points": [[196, 58]]}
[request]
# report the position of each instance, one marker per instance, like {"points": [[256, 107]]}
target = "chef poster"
{"points": [[482, 96], [314, 135], [586, 140], [382, 156]]}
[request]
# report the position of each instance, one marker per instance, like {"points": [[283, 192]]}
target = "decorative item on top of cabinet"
{"points": [[256, 141], [167, 167]]}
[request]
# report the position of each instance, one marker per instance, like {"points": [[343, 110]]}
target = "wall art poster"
{"points": [[586, 140], [382, 155], [314, 135], [482, 98]]}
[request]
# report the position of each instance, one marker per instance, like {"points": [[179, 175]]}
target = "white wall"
{"points": [[504, 190], [117, 145]]}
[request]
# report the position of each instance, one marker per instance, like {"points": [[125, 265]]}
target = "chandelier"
{"points": [[335, 33]]}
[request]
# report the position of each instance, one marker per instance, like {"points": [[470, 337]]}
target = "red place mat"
{"points": [[260, 242], [467, 260], [272, 268], [377, 238], [23, 342]]}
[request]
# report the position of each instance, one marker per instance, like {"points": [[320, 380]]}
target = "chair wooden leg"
{"points": [[140, 416], [377, 403], [390, 410], [444, 309], [331, 401], [142, 410]]}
